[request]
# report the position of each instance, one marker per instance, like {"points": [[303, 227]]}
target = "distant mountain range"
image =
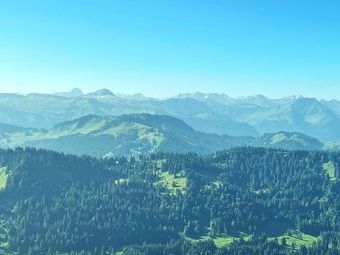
{"points": [[310, 116], [210, 113], [138, 134]]}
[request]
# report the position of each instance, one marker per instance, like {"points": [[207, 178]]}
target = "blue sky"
{"points": [[160, 48]]}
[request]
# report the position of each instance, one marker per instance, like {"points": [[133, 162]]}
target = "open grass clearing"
{"points": [[220, 241], [173, 183], [297, 239], [329, 169], [3, 177]]}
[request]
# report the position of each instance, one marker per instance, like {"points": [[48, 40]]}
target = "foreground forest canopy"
{"points": [[238, 201]]}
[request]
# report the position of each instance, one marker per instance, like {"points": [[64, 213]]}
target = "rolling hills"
{"points": [[133, 134], [121, 135], [290, 140]]}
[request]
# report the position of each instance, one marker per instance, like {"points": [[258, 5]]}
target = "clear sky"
{"points": [[164, 47]]}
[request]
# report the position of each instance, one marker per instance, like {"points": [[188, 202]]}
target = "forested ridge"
{"points": [[238, 201], [134, 134]]}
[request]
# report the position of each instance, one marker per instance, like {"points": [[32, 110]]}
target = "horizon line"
{"points": [[123, 94]]}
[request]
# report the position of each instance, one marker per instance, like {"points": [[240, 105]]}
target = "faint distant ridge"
{"points": [[313, 117], [136, 96], [101, 93], [205, 112], [73, 93]]}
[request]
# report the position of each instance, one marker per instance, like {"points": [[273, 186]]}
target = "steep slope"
{"points": [[294, 114], [314, 119], [304, 115], [334, 105]]}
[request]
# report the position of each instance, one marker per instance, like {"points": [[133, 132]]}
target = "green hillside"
{"points": [[290, 140], [122, 135], [3, 177], [168, 203], [141, 134]]}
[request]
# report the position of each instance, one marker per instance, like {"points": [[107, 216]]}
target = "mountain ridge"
{"points": [[132, 134], [205, 112]]}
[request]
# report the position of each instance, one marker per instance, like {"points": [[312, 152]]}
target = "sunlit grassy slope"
{"points": [[297, 239], [173, 183], [120, 135], [220, 241], [329, 169], [3, 177]]}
